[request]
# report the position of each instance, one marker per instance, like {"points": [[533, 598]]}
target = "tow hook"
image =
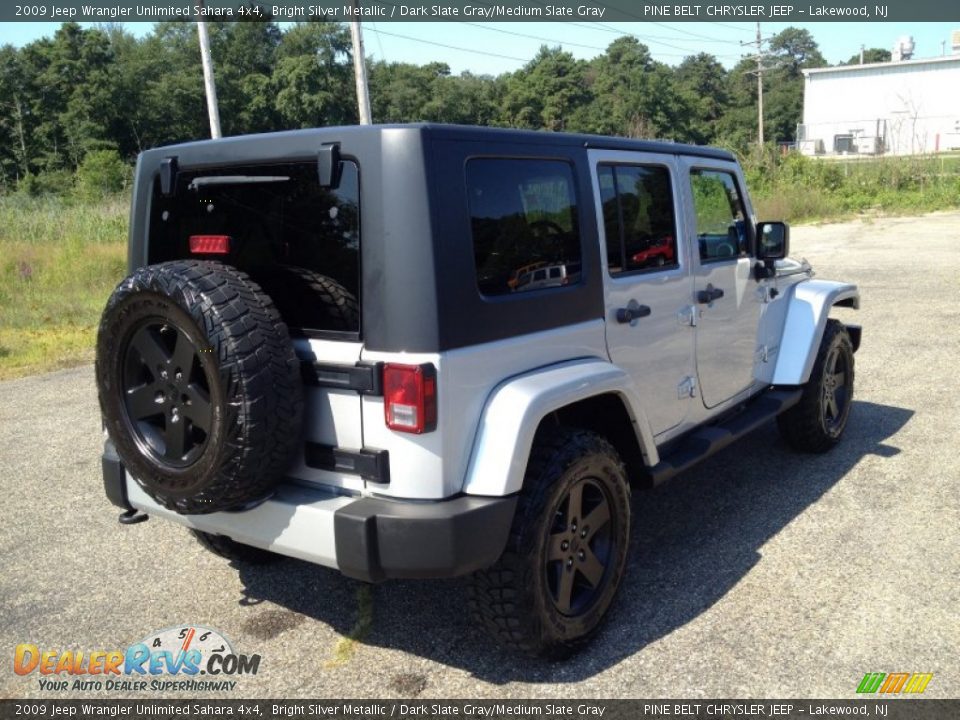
{"points": [[132, 517]]}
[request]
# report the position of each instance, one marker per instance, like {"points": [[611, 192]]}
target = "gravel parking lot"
{"points": [[759, 574]]}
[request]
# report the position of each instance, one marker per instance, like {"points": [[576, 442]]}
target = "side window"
{"points": [[721, 226], [523, 216], [638, 217]]}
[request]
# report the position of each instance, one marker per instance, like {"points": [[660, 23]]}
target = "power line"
{"points": [[383, 55], [452, 47], [731, 27], [532, 37], [698, 38], [693, 35], [592, 26], [622, 33]]}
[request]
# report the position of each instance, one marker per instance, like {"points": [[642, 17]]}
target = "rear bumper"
{"points": [[366, 538]]}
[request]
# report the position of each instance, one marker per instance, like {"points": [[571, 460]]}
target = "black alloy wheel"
{"points": [[166, 393], [581, 544], [837, 387]]}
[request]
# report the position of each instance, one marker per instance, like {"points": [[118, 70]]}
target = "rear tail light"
{"points": [[210, 244], [410, 397]]}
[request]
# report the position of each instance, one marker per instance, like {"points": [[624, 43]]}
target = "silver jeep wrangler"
{"points": [[325, 350]]}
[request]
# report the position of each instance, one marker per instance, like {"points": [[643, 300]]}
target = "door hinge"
{"points": [[687, 388], [687, 316]]}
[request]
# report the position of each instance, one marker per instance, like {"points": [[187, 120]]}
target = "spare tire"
{"points": [[199, 386]]}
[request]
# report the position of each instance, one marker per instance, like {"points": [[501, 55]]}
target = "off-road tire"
{"points": [[232, 550], [238, 353], [513, 601], [308, 299], [811, 425]]}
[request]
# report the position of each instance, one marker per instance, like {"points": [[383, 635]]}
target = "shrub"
{"points": [[48, 182], [101, 173]]}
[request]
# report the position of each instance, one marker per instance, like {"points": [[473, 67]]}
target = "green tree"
{"points": [[793, 50], [703, 83], [69, 87], [547, 92], [313, 76], [244, 55], [633, 96], [870, 55], [16, 120]]}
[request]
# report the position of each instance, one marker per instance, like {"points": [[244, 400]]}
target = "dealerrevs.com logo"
{"points": [[164, 661]]}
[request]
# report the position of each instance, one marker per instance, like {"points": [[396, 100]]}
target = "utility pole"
{"points": [[759, 86], [760, 57], [360, 66], [213, 109]]}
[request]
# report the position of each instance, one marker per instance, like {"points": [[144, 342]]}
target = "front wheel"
{"points": [[549, 592], [816, 423]]}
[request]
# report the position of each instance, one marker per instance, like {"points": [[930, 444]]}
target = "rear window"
{"points": [[299, 241], [523, 216]]}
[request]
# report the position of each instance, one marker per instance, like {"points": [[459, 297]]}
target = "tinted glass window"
{"points": [[721, 230], [523, 216], [291, 235], [638, 217]]}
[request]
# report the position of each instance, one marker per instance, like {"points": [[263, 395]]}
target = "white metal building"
{"points": [[894, 108]]}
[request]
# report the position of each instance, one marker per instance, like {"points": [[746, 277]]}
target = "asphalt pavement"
{"points": [[761, 573]]}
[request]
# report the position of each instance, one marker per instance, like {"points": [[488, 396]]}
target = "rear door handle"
{"points": [[707, 296], [632, 312]]}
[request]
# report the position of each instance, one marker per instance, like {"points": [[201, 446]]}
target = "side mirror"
{"points": [[773, 241]]}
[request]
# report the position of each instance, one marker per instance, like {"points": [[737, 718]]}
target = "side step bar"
{"points": [[703, 443]]}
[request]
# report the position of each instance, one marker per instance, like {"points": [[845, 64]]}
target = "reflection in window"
{"points": [[638, 217], [523, 217], [299, 241], [721, 229]]}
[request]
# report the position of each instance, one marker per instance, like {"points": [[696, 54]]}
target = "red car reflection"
{"points": [[659, 251]]}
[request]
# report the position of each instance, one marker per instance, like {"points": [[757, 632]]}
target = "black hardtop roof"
{"points": [[474, 133]]}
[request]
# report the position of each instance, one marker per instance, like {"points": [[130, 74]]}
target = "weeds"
{"points": [[803, 189], [59, 261]]}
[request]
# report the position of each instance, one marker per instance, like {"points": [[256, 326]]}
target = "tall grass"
{"points": [[803, 189], [59, 261]]}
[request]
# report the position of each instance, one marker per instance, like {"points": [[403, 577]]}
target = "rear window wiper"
{"points": [[204, 181]]}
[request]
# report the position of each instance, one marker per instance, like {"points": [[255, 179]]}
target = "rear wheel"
{"points": [[230, 549], [817, 422], [551, 589]]}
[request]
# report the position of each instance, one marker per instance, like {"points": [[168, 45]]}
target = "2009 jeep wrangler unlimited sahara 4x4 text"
{"points": [[325, 350]]}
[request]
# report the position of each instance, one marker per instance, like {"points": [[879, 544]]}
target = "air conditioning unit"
{"points": [[811, 147], [868, 145]]}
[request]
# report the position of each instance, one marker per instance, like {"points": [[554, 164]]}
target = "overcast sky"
{"points": [[494, 48]]}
